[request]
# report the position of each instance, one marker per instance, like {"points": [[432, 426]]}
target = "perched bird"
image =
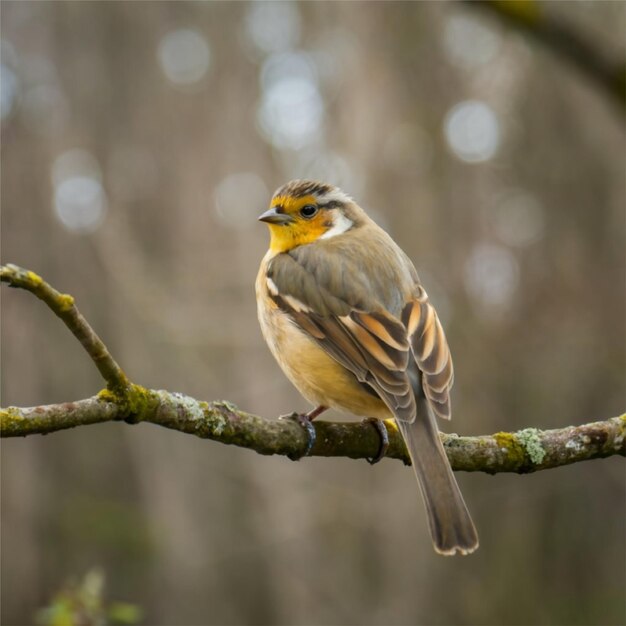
{"points": [[344, 314]]}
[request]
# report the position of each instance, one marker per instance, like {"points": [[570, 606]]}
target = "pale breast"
{"points": [[316, 375]]}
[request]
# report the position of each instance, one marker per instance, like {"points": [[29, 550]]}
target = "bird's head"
{"points": [[303, 211]]}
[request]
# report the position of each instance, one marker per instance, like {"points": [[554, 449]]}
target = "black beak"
{"points": [[272, 216]]}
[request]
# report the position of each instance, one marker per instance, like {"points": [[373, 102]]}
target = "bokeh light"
{"points": [[291, 109], [79, 199], [469, 42], [272, 26], [518, 219], [185, 56], [240, 198], [8, 53], [287, 65], [44, 106], [8, 90], [472, 131], [491, 276]]}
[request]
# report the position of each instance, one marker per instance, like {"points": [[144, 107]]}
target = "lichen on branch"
{"points": [[522, 452], [528, 450]]}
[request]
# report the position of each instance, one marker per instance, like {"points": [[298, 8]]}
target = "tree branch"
{"points": [[529, 17], [528, 450], [63, 306], [522, 452]]}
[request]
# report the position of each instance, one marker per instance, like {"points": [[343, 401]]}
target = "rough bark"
{"points": [[525, 451]]}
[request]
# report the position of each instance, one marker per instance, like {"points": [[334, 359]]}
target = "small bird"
{"points": [[344, 314]]}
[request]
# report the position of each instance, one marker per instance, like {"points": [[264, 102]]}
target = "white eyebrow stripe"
{"points": [[341, 225]]}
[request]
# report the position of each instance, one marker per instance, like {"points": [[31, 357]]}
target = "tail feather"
{"points": [[451, 525]]}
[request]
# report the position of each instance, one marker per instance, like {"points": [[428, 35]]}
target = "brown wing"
{"points": [[430, 351], [371, 345], [401, 358]]}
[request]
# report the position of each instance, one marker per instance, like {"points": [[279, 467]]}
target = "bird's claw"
{"points": [[307, 425], [381, 429]]}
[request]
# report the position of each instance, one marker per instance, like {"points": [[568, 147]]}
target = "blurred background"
{"points": [[140, 141]]}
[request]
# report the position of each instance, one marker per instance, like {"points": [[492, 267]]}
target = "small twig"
{"points": [[63, 306]]}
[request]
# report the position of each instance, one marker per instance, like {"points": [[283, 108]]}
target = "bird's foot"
{"points": [[381, 429], [305, 421]]}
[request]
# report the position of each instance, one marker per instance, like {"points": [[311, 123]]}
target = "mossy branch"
{"points": [[63, 306], [526, 451]]}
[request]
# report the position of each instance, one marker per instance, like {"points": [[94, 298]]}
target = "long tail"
{"points": [[451, 526]]}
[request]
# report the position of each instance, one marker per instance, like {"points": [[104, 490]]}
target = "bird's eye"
{"points": [[308, 211]]}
